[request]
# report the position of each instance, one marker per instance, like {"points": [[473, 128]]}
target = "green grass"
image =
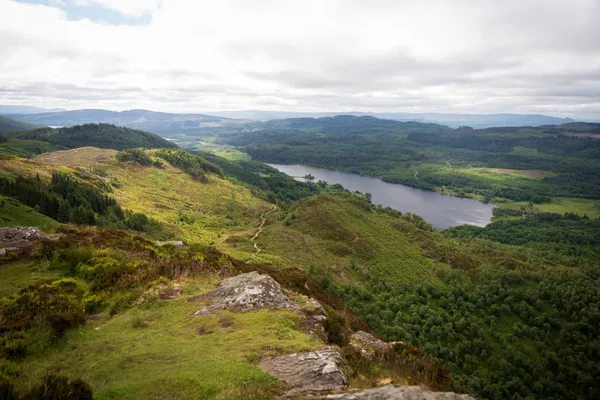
{"points": [[231, 154], [162, 352], [17, 275], [589, 207], [26, 148], [14, 213]]}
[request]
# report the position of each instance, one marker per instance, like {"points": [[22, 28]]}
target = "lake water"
{"points": [[439, 210]]}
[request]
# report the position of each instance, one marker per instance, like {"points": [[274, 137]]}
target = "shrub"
{"points": [[56, 303], [56, 387], [135, 155], [336, 328], [9, 368], [13, 349], [7, 389], [92, 304]]}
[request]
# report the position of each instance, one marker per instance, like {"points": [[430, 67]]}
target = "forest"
{"points": [[438, 158], [67, 200], [105, 136]]}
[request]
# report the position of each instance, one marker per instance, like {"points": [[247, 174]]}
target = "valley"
{"points": [[496, 310]]}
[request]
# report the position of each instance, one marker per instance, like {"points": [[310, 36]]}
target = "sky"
{"points": [[455, 56]]}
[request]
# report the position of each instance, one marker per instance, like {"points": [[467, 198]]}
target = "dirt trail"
{"points": [[257, 249]]}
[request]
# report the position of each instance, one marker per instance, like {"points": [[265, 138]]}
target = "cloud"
{"points": [[134, 8], [310, 55]]}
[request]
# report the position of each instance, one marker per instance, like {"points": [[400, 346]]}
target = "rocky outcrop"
{"points": [[308, 372], [391, 392], [19, 239], [246, 292], [368, 345]]}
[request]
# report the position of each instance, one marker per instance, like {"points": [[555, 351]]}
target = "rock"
{"points": [[19, 239], [308, 372], [19, 233], [163, 291], [315, 315], [176, 243], [391, 392], [168, 293], [368, 345], [246, 292]]}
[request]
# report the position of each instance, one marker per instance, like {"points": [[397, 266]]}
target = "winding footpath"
{"points": [[257, 249]]}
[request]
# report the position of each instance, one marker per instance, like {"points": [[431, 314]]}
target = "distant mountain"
{"points": [[452, 120], [7, 110], [150, 121], [105, 136], [11, 125], [348, 124]]}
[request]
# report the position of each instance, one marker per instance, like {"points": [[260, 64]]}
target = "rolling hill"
{"points": [[97, 135], [11, 125], [150, 121]]}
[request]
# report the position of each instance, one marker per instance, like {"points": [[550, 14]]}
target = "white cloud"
{"points": [[381, 55]]}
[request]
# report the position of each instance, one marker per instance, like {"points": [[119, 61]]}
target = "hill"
{"points": [[96, 135], [6, 110], [503, 165], [506, 318], [452, 120], [151, 121], [12, 125]]}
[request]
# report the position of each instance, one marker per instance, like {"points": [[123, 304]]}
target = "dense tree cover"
{"points": [[569, 234], [508, 325], [67, 200], [277, 186], [191, 163], [433, 156], [105, 136], [138, 156]]}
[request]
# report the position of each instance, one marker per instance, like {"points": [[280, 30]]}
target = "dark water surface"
{"points": [[440, 211]]}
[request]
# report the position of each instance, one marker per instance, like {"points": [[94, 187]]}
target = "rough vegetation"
{"points": [[505, 311]]}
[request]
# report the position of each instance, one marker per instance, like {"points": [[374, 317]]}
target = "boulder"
{"points": [[246, 292], [19, 239], [368, 345], [308, 372], [391, 392]]}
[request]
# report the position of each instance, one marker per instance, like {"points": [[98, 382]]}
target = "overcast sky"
{"points": [[467, 56]]}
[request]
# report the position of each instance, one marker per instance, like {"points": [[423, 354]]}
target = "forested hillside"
{"points": [[510, 309], [484, 163], [97, 135]]}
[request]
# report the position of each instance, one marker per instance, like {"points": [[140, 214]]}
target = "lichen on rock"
{"points": [[391, 392], [308, 372], [246, 292]]}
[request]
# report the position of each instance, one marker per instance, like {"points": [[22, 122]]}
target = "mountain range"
{"points": [[168, 123], [451, 120]]}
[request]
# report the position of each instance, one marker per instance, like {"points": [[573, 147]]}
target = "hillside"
{"points": [[97, 135], [12, 125], [150, 121], [507, 166], [505, 319]]}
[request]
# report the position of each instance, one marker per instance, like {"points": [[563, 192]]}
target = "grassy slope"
{"points": [[335, 233], [26, 148], [13, 213], [158, 351], [20, 274], [589, 207], [198, 212]]}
